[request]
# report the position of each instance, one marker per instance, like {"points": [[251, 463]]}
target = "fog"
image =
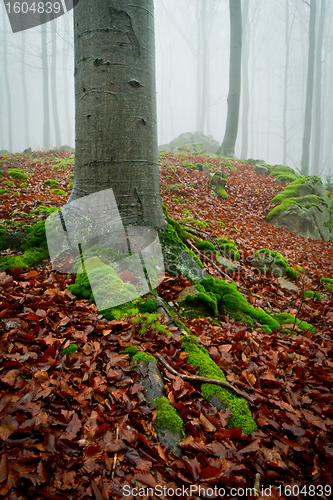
{"points": [[192, 73]]}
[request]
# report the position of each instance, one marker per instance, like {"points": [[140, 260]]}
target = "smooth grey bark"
{"points": [[69, 139], [227, 147], [245, 79], [7, 87], [305, 162], [202, 65], [115, 107], [54, 86], [46, 110], [285, 89], [318, 83], [25, 93]]}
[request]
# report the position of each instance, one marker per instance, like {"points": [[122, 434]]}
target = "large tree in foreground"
{"points": [[115, 107], [227, 147]]}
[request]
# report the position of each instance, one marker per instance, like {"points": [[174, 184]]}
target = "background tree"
{"points": [[309, 90], [227, 147], [318, 97], [46, 107], [116, 133]]}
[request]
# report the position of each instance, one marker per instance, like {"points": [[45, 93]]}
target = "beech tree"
{"points": [[227, 147], [309, 90], [115, 107]]}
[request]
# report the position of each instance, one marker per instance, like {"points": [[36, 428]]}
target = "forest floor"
{"points": [[74, 427]]}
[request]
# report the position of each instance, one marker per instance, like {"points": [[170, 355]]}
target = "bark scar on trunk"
{"points": [[121, 21]]}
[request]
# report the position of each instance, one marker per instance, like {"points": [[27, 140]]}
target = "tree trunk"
{"points": [[54, 85], [285, 90], [318, 106], [245, 80], [115, 107], [309, 91], [69, 140], [46, 111], [202, 58], [7, 86], [227, 147], [25, 93]]}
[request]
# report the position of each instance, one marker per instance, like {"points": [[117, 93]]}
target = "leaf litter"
{"points": [[65, 419]]}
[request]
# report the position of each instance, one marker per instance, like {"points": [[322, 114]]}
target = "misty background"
{"points": [[192, 72]]}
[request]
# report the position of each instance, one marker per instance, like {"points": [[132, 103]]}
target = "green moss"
{"points": [[4, 191], [249, 321], [3, 245], [51, 182], [290, 191], [205, 246], [69, 350], [167, 416], [31, 257], [286, 318], [282, 168], [36, 236], [9, 183], [282, 177], [266, 329], [137, 355], [47, 210], [221, 192], [16, 173], [328, 283], [24, 185], [60, 192], [278, 260], [312, 293], [228, 247], [150, 321], [199, 356], [200, 223], [2, 174]]}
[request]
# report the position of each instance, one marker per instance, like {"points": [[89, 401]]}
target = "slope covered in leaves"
{"points": [[75, 426]]}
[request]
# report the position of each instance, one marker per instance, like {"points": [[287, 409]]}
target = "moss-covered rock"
{"points": [[218, 183], [199, 357], [269, 261], [304, 209], [51, 182], [16, 173], [228, 247]]}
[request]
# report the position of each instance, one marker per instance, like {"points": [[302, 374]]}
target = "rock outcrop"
{"points": [[195, 143], [304, 208]]}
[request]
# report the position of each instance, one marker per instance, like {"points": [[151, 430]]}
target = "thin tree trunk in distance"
{"points": [[25, 93], [115, 107], [317, 142], [54, 85], [285, 90], [309, 91], [227, 147], [245, 80], [46, 110], [8, 95]]}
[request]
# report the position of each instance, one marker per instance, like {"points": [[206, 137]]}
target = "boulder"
{"points": [[27, 151], [305, 209], [65, 149], [261, 169], [195, 143]]}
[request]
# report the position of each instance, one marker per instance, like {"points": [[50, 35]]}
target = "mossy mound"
{"points": [[60, 192], [2, 238], [51, 182], [24, 185], [199, 356], [137, 355], [216, 296], [304, 209], [16, 173], [269, 261], [282, 168], [289, 319], [308, 294], [30, 257], [36, 236], [228, 247], [218, 183], [8, 183]]}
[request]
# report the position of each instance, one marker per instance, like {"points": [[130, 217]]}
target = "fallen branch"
{"points": [[204, 380]]}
